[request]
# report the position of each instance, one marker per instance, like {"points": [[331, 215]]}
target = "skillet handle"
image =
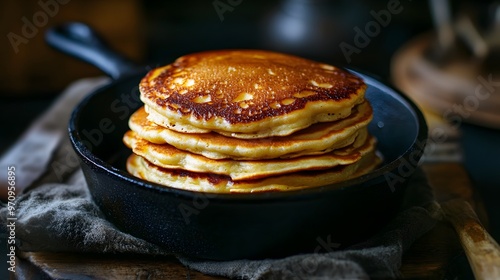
{"points": [[79, 40]]}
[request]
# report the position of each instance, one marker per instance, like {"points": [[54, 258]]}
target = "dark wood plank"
{"points": [[105, 266], [430, 255]]}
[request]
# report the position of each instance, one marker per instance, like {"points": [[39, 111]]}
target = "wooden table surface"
{"points": [[428, 258]]}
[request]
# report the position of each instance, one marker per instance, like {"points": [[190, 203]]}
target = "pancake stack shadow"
{"points": [[238, 121]]}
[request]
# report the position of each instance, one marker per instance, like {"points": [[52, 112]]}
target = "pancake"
{"points": [[248, 93], [214, 183], [250, 121], [316, 139], [167, 156]]}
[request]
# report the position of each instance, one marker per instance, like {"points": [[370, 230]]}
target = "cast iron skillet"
{"points": [[229, 226]]}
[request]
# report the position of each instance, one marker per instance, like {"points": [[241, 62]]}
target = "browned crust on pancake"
{"points": [[219, 84], [223, 183], [282, 147], [167, 156]]}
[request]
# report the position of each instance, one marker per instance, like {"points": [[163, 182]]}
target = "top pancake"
{"points": [[248, 93]]}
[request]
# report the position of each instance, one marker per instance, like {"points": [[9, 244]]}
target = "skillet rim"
{"points": [[363, 181]]}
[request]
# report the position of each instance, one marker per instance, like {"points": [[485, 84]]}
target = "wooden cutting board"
{"points": [[428, 258]]}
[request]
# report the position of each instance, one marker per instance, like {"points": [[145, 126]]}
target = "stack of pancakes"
{"points": [[248, 121]]}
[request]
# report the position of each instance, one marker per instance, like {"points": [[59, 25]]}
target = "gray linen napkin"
{"points": [[56, 213]]}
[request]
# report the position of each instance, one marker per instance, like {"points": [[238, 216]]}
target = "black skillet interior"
{"points": [[223, 226]]}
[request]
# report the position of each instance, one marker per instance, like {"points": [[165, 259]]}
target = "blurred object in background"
{"points": [[311, 28], [356, 34], [454, 71], [30, 67]]}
